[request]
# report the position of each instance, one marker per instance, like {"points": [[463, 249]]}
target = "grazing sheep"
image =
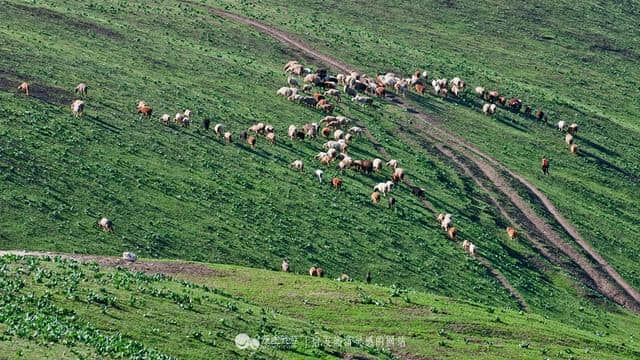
{"points": [[398, 174], [568, 139], [366, 166], [106, 224], [391, 201], [380, 91], [292, 131], [251, 141], [513, 233], [401, 88], [338, 134], [77, 109], [332, 153], [489, 109], [319, 272], [445, 221], [539, 114], [311, 79], [291, 81], [392, 164], [515, 104], [187, 113], [325, 107], [285, 265], [573, 129], [186, 122], [271, 136], [81, 89], [218, 129], [375, 197], [453, 233], [502, 100], [318, 97], [416, 191], [384, 187], [141, 104], [573, 149], [298, 165], [376, 164], [334, 93], [145, 111], [344, 278], [472, 249], [319, 173], [527, 110], [455, 90], [129, 256], [561, 125], [349, 91], [178, 118], [492, 96], [227, 137], [313, 271], [420, 88], [348, 138], [465, 245], [257, 128], [336, 182], [443, 92], [480, 91], [286, 91], [356, 130], [363, 100], [24, 87], [165, 119], [206, 123]]}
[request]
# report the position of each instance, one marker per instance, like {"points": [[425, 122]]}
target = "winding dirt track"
{"points": [[605, 277]]}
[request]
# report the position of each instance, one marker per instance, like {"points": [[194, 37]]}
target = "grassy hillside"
{"points": [[181, 193], [61, 308], [577, 62]]}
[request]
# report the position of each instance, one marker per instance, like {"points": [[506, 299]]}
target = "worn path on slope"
{"points": [[610, 280]]}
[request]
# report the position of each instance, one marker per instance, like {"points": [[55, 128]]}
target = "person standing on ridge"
{"points": [[545, 165]]}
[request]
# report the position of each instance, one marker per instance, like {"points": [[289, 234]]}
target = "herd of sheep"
{"points": [[362, 89]]}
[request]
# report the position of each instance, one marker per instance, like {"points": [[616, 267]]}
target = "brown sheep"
{"points": [[453, 233], [492, 96], [573, 149], [326, 132], [24, 87], [336, 182], [327, 108], [539, 114], [513, 233], [420, 89], [375, 197], [366, 166], [251, 141], [502, 100], [145, 111], [380, 91], [317, 97], [271, 137]]}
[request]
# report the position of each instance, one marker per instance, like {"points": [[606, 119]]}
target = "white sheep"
{"points": [[292, 131], [573, 129], [377, 164], [218, 129], [338, 134], [561, 125], [392, 164], [362, 100], [77, 108], [285, 91], [568, 139], [480, 91], [446, 221], [129, 256], [106, 224], [465, 245], [187, 113], [472, 249], [165, 119], [489, 109], [355, 130], [319, 174], [298, 165], [348, 138]]}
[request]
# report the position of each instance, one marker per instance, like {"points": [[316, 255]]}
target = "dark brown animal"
{"points": [[492, 96], [326, 132], [145, 111], [416, 191], [366, 166], [539, 114], [527, 110], [515, 104], [318, 97], [420, 89], [336, 182], [502, 100], [380, 91]]}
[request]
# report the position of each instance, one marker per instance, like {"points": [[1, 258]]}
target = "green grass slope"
{"points": [[181, 193], [59, 308], [577, 62]]}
